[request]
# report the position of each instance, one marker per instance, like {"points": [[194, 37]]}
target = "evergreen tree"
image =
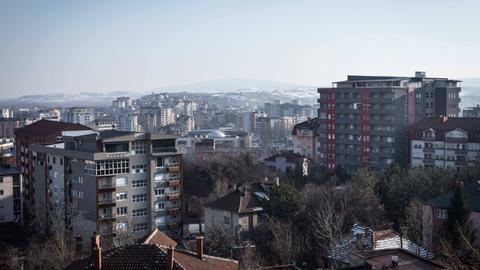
{"points": [[284, 202], [458, 220]]}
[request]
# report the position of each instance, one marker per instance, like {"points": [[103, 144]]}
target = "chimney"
{"points": [[235, 186], [444, 119], [277, 181], [394, 261], [94, 242], [170, 258], [96, 251], [200, 247]]}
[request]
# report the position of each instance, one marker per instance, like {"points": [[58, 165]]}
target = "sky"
{"points": [[72, 46]]}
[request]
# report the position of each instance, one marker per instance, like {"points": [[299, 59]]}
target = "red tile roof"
{"points": [[189, 260], [156, 237], [44, 128]]}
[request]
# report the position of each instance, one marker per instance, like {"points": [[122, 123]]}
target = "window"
{"points": [[142, 168], [226, 220], [159, 206], [89, 167], [54, 160], [1, 179], [159, 192], [121, 226], [121, 181], [139, 197], [139, 212], [61, 161], [138, 147], [121, 196], [122, 211], [110, 167], [139, 183], [1, 205], [441, 213], [140, 227], [1, 192]]}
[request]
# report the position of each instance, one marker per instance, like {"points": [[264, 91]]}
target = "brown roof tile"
{"points": [[44, 128], [156, 237]]}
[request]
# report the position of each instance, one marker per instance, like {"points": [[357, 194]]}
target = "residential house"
{"points": [[285, 162], [435, 213], [304, 136]]}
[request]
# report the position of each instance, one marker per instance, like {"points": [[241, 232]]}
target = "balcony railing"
{"points": [[106, 184], [428, 160], [429, 149], [461, 151], [106, 200], [106, 216], [156, 150], [173, 183], [173, 169], [118, 154], [174, 196], [428, 138]]}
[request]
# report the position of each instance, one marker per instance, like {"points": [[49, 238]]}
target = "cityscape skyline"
{"points": [[91, 46]]}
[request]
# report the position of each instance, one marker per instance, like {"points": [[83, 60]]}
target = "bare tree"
{"points": [[282, 240], [413, 221], [249, 259], [219, 240], [468, 257]]}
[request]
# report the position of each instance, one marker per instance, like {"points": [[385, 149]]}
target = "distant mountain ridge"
{"points": [[231, 84]]}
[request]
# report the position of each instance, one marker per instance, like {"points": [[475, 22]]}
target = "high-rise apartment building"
{"points": [[40, 132], [7, 127], [363, 121], [112, 181], [79, 115]]}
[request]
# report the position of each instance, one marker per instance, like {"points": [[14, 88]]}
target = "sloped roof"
{"points": [[156, 237], [44, 128], [237, 202], [310, 124], [138, 256], [442, 125], [187, 259], [472, 194]]}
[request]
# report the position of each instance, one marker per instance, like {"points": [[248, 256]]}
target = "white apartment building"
{"points": [[443, 142]]}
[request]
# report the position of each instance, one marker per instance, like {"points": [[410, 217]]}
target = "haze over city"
{"points": [[239, 135], [55, 46]]}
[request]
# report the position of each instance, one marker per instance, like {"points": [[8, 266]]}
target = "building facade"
{"points": [[119, 180], [7, 127], [364, 121], [40, 132], [11, 208], [304, 137], [79, 115], [471, 112], [445, 142]]}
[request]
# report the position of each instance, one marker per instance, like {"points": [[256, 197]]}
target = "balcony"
{"points": [[428, 138], [163, 150], [118, 154], [174, 196], [107, 201], [461, 151], [173, 211], [106, 184], [173, 169], [429, 150], [106, 216], [430, 161], [173, 183]]}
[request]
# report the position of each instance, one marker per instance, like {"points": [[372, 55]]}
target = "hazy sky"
{"points": [[50, 46]]}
